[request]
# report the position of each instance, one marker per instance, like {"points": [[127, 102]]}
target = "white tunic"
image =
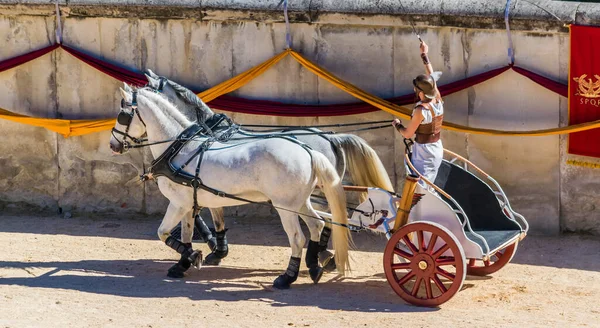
{"points": [[427, 158]]}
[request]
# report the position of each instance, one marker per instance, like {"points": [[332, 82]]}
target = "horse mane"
{"points": [[166, 107], [202, 110]]}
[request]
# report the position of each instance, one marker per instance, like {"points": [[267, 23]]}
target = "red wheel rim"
{"points": [[496, 262], [433, 266]]}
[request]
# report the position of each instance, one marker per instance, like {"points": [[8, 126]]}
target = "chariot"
{"points": [[439, 231]]}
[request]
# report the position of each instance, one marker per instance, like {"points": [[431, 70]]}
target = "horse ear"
{"points": [[127, 87], [126, 95], [152, 81], [152, 74]]}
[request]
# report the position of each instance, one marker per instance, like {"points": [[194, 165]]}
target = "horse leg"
{"points": [[205, 232], [174, 215], [312, 251], [325, 256], [220, 248], [292, 228]]}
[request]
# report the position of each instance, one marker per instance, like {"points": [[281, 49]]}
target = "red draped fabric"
{"points": [[584, 89], [22, 59], [115, 71], [561, 89], [470, 81]]}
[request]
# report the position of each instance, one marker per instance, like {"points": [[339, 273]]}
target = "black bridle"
{"points": [[125, 118]]}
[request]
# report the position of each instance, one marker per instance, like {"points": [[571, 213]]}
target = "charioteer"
{"points": [[426, 122]]}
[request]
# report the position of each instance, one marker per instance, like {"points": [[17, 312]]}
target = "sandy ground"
{"points": [[106, 272]]}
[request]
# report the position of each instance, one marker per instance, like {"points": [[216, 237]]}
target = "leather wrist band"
{"points": [[425, 59]]}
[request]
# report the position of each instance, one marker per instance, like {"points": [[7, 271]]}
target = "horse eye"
{"points": [[122, 103]]}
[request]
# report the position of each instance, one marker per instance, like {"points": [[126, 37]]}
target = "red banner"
{"points": [[584, 89]]}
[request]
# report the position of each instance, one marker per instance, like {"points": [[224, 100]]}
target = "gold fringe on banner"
{"points": [[583, 164]]}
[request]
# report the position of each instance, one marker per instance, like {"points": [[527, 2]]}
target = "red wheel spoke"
{"points": [[402, 253], [445, 274], [410, 244], [431, 243], [487, 263], [428, 288], [441, 251], [439, 284], [400, 266], [420, 241], [446, 261], [471, 262], [415, 289], [406, 278]]}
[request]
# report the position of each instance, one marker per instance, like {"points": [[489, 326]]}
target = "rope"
{"points": [[511, 54], [230, 196], [315, 126], [58, 25], [288, 36], [266, 136]]}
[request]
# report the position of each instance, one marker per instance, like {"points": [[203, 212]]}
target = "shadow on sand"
{"points": [[146, 278]]}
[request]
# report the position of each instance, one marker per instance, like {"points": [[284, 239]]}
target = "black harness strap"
{"points": [[162, 165]]}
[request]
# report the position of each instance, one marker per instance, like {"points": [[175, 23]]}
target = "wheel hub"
{"points": [[423, 265]]}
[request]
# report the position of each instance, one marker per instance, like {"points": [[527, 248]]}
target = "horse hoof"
{"points": [[212, 259], [283, 282], [327, 261], [175, 274], [315, 274], [330, 266], [176, 271], [196, 259]]}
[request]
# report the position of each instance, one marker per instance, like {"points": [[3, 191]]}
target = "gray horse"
{"points": [[344, 151]]}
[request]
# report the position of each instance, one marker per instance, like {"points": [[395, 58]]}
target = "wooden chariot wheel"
{"points": [[424, 264], [496, 262]]}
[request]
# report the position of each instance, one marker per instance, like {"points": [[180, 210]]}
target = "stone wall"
{"points": [[202, 43]]}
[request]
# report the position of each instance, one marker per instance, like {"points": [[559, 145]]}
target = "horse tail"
{"points": [[331, 184], [363, 163]]}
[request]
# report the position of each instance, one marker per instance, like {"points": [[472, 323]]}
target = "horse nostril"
{"points": [[115, 148]]}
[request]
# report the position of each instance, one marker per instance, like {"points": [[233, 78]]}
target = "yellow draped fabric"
{"points": [[240, 80], [67, 128], [80, 127]]}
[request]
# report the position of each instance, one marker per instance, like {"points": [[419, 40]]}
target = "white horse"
{"points": [[275, 170], [344, 151]]}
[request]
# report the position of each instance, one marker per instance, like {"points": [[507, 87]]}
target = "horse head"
{"points": [[129, 127]]}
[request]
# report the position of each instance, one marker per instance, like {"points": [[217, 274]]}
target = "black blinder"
{"points": [[124, 118]]}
